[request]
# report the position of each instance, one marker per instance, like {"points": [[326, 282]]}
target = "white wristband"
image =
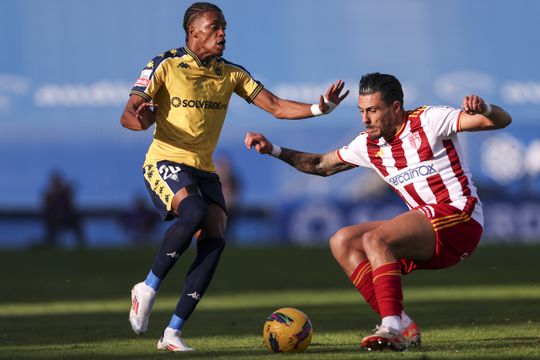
{"points": [[487, 112], [316, 111], [276, 151]]}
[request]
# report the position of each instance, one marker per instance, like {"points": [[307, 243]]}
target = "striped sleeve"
{"points": [[354, 153]]}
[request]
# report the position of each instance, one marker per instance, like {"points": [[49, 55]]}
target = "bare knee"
{"points": [[342, 244], [371, 241], [376, 249]]}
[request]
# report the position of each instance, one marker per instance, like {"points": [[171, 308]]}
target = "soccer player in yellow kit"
{"points": [[186, 93]]}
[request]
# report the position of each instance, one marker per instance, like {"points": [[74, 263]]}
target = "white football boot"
{"points": [[142, 299], [385, 337], [172, 341]]}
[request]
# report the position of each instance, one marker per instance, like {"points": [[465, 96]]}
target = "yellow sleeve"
{"points": [[246, 87]]}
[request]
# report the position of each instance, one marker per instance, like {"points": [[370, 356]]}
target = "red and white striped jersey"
{"points": [[423, 163]]}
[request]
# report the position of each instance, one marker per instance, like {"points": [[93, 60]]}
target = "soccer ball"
{"points": [[287, 330]]}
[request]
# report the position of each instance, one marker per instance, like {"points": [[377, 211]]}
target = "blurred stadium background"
{"points": [[66, 68]]}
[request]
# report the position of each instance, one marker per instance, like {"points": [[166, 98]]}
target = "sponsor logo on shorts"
{"points": [[409, 175], [197, 104]]}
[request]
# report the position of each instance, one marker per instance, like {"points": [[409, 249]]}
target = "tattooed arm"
{"points": [[316, 164]]}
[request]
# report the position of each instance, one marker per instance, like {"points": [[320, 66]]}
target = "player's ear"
{"points": [[192, 32], [396, 106]]}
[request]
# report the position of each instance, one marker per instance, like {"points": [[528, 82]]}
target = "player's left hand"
{"points": [[473, 104], [333, 97], [259, 142]]}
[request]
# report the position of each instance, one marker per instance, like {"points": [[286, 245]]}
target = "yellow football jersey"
{"points": [[192, 99]]}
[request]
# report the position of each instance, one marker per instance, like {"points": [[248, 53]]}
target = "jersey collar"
{"points": [[197, 59]]}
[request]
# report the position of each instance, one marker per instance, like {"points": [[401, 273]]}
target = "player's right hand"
{"points": [[473, 104], [333, 97], [147, 113], [259, 142]]}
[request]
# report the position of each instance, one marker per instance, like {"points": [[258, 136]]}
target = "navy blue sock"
{"points": [[192, 211], [199, 275]]}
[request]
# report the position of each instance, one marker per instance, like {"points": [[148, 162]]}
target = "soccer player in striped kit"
{"points": [[185, 92], [418, 154]]}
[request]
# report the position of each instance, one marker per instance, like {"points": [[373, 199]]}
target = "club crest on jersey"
{"points": [[415, 140], [169, 172]]}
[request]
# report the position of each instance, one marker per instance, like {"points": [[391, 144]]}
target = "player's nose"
{"points": [[365, 119]]}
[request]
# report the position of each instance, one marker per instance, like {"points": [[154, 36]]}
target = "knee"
{"points": [[371, 241], [193, 209], [339, 242], [219, 244], [211, 244]]}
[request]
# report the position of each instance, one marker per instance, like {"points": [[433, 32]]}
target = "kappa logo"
{"points": [[174, 255], [169, 172], [195, 295], [183, 65]]}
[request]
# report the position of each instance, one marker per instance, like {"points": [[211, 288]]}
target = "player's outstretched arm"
{"points": [[479, 115], [316, 164], [138, 114], [288, 109]]}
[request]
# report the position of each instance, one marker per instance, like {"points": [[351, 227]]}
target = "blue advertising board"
{"points": [[67, 67]]}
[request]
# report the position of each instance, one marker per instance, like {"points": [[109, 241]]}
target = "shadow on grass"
{"points": [[80, 328], [59, 275]]}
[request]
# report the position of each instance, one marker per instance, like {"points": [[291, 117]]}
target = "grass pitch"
{"points": [[74, 305]]}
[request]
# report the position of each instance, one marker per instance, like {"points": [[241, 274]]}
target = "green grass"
{"points": [[74, 305]]}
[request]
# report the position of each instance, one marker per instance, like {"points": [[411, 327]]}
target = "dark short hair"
{"points": [[196, 10], [388, 85]]}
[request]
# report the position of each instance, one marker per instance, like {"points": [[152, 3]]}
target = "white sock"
{"points": [[393, 322], [405, 320]]}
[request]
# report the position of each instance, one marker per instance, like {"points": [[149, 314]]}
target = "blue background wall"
{"points": [[66, 68]]}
